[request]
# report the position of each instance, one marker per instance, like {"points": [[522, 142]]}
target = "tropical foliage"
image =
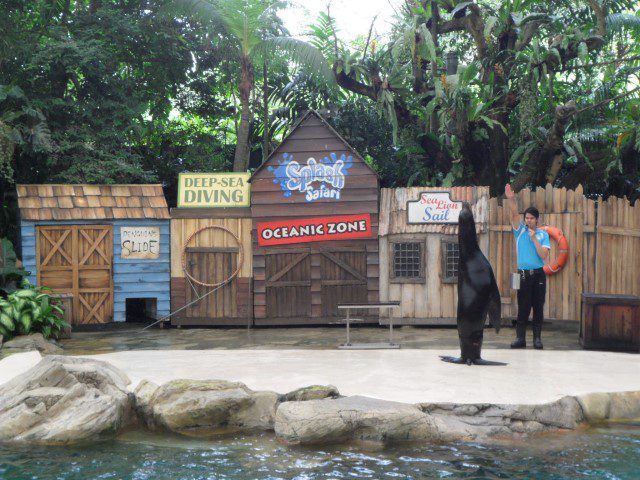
{"points": [[11, 275], [30, 310], [459, 92], [544, 91]]}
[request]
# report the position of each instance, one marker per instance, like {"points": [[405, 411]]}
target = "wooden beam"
{"points": [[345, 266], [288, 267]]}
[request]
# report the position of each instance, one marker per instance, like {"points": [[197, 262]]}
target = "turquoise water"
{"points": [[606, 453]]}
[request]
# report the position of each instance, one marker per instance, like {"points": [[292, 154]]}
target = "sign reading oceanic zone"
{"points": [[433, 207], [214, 190], [314, 229], [315, 179], [140, 242]]}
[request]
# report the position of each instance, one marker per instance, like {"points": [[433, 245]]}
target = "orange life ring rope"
{"points": [[563, 250]]}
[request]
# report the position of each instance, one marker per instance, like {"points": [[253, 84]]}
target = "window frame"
{"points": [[420, 240], [444, 278]]}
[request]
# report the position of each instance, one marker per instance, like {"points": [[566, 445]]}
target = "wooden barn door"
{"points": [[288, 284], [212, 265], [344, 279], [78, 259]]}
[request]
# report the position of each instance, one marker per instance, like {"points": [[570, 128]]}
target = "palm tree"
{"points": [[245, 24]]}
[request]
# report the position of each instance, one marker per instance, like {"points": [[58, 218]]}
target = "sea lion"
{"points": [[478, 293]]}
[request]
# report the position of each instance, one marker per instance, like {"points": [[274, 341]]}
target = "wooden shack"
{"points": [[419, 249], [315, 226], [210, 242], [107, 245]]}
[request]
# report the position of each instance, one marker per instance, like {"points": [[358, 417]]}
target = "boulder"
{"points": [[615, 406], [64, 400], [352, 418], [26, 343], [478, 421], [313, 392], [205, 408]]}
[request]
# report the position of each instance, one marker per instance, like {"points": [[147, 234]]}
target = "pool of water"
{"points": [[604, 453]]}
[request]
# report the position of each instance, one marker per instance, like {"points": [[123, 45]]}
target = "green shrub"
{"points": [[30, 310]]}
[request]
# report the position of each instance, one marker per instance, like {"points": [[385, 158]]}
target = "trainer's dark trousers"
{"points": [[533, 286]]}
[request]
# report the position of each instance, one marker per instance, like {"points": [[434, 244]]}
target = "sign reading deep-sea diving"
{"points": [[213, 190], [341, 227], [315, 179], [433, 207], [140, 242]]}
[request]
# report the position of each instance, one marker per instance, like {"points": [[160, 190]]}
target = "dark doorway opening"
{"points": [[141, 310]]}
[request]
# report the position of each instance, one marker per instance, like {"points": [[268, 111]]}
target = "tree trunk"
{"points": [[535, 170], [243, 149], [433, 121], [265, 113]]}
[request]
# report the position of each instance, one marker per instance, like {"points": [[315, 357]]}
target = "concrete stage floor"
{"points": [[557, 335], [406, 375]]}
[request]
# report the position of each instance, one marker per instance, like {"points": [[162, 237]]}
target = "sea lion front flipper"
{"points": [[480, 361], [495, 306], [448, 359]]}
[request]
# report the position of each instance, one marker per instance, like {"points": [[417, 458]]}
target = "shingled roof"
{"points": [[91, 202]]}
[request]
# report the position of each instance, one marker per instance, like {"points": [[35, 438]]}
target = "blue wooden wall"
{"points": [[131, 278]]}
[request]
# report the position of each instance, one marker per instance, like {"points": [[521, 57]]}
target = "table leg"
{"points": [[348, 317]]}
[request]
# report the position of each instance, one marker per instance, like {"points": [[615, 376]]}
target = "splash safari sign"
{"points": [[315, 179], [433, 207]]}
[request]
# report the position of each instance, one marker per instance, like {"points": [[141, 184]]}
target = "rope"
{"points": [[192, 279]]}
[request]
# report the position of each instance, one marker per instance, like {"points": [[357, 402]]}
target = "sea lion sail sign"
{"points": [[433, 207], [478, 293]]}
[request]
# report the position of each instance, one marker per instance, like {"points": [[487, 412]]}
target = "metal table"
{"points": [[348, 320]]}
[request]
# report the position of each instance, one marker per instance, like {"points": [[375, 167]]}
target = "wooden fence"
{"points": [[604, 248]]}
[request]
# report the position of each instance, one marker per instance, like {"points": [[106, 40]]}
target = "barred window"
{"points": [[450, 261], [408, 261]]}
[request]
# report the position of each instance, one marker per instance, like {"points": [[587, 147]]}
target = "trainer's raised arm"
{"points": [[512, 205]]}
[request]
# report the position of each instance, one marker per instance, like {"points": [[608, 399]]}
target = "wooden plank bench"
{"points": [[348, 320]]}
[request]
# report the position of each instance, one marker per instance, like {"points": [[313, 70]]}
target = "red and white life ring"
{"points": [[563, 250]]}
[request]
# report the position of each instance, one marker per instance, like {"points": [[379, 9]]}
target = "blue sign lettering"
{"points": [[316, 180], [431, 216]]}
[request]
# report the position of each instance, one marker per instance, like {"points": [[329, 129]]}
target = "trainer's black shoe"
{"points": [[519, 343]]}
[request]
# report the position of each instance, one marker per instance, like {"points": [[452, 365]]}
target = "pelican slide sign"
{"points": [[316, 180], [213, 190], [433, 207], [319, 229], [140, 243]]}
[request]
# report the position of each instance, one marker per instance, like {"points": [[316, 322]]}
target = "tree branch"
{"points": [[535, 170], [454, 25], [602, 64], [345, 81], [525, 37], [475, 27], [601, 16]]}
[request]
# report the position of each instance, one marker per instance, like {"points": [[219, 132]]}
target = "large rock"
{"points": [[616, 406], [313, 392], [478, 421], [27, 343], [352, 418], [64, 400], [205, 408]]}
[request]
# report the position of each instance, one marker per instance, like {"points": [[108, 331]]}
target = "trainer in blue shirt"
{"points": [[532, 247]]}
